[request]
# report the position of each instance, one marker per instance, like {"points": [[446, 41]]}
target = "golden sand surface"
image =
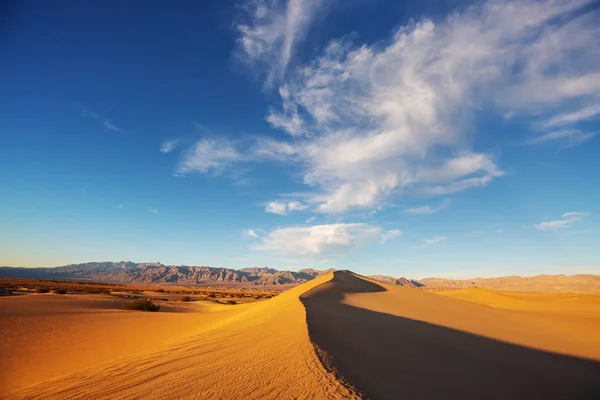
{"points": [[339, 336]]}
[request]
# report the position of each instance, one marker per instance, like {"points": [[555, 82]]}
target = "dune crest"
{"points": [[261, 352]]}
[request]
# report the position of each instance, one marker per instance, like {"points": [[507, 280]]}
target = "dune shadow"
{"points": [[389, 357]]}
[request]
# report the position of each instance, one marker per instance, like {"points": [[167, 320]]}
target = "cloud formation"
{"points": [[282, 208], [319, 239], [571, 137], [86, 112], [566, 221], [370, 121], [251, 233], [270, 31], [436, 239], [208, 154], [427, 209], [169, 145]]}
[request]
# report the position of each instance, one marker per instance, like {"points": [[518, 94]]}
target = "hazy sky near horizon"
{"points": [[443, 138]]}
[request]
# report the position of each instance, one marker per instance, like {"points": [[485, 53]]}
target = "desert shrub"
{"points": [[212, 295], [185, 299], [41, 289], [60, 291], [161, 290], [230, 302], [5, 292], [141, 305]]}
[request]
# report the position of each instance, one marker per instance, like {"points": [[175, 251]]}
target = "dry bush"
{"points": [[230, 302], [142, 305], [185, 299], [60, 291], [42, 289]]}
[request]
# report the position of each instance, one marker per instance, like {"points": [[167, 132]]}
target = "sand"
{"points": [[338, 336]]}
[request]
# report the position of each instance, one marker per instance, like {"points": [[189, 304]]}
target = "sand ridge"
{"points": [[261, 352]]}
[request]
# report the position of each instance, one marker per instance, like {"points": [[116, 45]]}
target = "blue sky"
{"points": [[417, 139]]}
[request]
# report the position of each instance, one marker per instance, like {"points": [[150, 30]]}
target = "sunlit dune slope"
{"points": [[393, 342], [580, 305], [261, 352], [45, 336]]}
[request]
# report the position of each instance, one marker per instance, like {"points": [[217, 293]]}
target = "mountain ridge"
{"points": [[158, 273]]}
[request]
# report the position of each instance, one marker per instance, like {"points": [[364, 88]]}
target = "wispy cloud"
{"points": [[573, 117], [367, 122], [91, 114], [571, 137], [366, 118], [152, 210], [270, 32], [435, 239], [169, 145], [310, 220], [209, 154], [566, 221], [320, 239], [282, 208], [251, 233], [427, 209]]}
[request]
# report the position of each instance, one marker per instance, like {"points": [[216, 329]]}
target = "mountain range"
{"points": [[183, 275]]}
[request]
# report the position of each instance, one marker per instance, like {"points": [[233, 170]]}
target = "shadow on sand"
{"points": [[389, 357]]}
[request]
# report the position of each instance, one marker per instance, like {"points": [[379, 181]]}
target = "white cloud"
{"points": [[271, 31], [427, 209], [367, 122], [86, 112], [169, 145], [374, 120], [251, 233], [572, 137], [566, 222], [112, 127], [573, 117], [371, 121], [120, 206], [435, 239], [209, 154], [310, 220], [153, 210], [282, 208], [320, 239]]}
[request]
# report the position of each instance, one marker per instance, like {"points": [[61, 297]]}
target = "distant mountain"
{"points": [[396, 281], [157, 273], [130, 272]]}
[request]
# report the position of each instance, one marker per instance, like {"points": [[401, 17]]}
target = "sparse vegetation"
{"points": [[141, 305], [185, 299], [60, 291], [230, 302], [128, 290]]}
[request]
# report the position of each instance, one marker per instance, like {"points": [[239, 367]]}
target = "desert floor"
{"points": [[338, 336]]}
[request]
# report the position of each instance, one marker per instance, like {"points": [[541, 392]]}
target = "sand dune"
{"points": [[392, 342], [339, 336], [262, 351]]}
